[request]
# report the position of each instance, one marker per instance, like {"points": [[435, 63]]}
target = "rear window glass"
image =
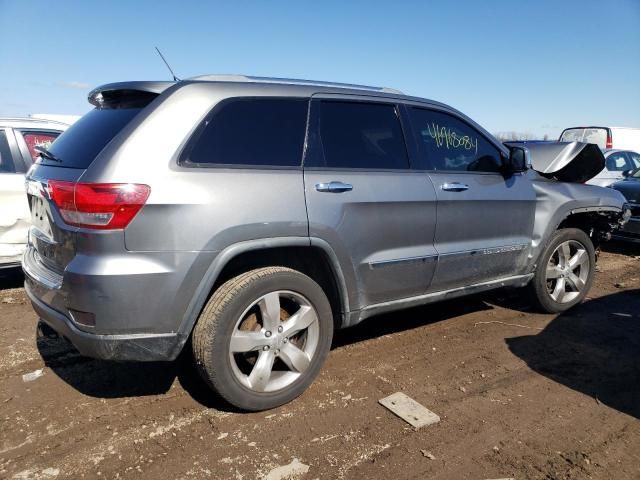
{"points": [[252, 132], [38, 139], [84, 140], [586, 135]]}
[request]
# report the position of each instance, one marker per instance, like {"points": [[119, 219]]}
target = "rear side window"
{"points": [[359, 135], [84, 140], [449, 144], [251, 132], [38, 139], [6, 160], [635, 159], [618, 162]]}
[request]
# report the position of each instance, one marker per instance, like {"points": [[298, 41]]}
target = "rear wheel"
{"points": [[263, 337], [565, 271]]}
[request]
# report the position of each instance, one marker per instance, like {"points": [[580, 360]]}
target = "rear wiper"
{"points": [[44, 153]]}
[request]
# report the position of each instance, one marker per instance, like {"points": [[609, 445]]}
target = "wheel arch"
{"points": [[597, 222], [312, 257]]}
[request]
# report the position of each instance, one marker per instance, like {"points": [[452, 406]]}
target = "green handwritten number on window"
{"points": [[447, 138]]}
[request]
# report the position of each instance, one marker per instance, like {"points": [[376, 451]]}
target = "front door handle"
{"points": [[334, 187], [454, 187]]}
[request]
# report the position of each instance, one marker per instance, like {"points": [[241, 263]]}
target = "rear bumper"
{"points": [[11, 255], [8, 265], [134, 347]]}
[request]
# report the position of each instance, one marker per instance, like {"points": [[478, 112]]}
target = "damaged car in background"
{"points": [[19, 140], [574, 164], [247, 218], [630, 188]]}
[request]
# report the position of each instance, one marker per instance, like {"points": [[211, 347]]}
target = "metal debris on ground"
{"points": [[508, 324], [427, 454], [409, 410], [31, 376]]}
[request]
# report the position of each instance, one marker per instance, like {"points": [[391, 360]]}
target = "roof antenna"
{"points": [[175, 79]]}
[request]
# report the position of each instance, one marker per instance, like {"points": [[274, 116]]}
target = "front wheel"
{"points": [[565, 271], [263, 336]]}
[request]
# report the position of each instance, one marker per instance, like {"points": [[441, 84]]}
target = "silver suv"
{"points": [[255, 216]]}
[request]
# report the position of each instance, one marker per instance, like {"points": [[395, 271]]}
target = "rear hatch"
{"points": [[52, 180]]}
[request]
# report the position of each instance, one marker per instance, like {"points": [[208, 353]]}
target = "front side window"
{"points": [[35, 139], [449, 144], [251, 132], [6, 160], [359, 135]]}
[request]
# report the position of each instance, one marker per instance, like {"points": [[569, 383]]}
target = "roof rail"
{"points": [[290, 81]]}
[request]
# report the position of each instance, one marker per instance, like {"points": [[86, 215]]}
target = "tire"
{"points": [[253, 351], [563, 277]]}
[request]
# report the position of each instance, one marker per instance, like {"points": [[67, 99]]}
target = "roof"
{"points": [[297, 86], [288, 85], [158, 87], [22, 122], [291, 81]]}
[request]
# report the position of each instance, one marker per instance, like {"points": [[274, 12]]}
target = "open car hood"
{"points": [[567, 162]]}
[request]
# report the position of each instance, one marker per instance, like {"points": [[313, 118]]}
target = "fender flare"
{"points": [[210, 277], [566, 213]]}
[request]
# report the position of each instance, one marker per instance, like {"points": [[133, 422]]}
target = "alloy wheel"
{"points": [[274, 341], [567, 271]]}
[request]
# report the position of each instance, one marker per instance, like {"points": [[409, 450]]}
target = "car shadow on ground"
{"points": [[593, 349], [403, 320], [107, 379], [11, 278]]}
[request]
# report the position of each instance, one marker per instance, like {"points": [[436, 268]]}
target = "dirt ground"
{"points": [[521, 395]]}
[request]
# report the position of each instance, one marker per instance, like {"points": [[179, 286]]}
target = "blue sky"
{"points": [[511, 65]]}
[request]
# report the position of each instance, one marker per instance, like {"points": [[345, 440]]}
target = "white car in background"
{"points": [[618, 163], [19, 138]]}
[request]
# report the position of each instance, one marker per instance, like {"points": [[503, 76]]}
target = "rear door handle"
{"points": [[334, 187], [454, 187]]}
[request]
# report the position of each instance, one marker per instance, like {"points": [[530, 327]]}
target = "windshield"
{"points": [[85, 139], [587, 135]]}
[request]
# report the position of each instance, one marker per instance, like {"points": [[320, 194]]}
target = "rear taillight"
{"points": [[103, 206], [609, 141]]}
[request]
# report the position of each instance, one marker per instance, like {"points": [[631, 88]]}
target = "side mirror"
{"points": [[626, 173], [517, 161]]}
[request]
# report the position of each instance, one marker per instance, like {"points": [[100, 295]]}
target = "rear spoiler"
{"points": [[567, 162], [126, 94]]}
